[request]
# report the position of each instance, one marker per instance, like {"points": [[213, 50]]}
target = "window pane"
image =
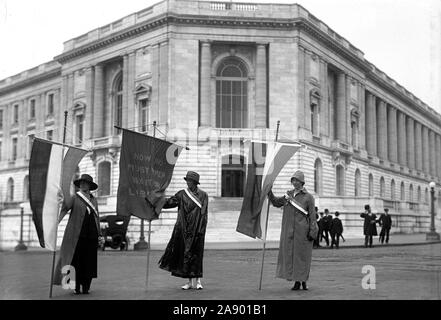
{"points": [[104, 179]]}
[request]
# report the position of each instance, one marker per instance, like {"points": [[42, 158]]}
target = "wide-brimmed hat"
{"points": [[88, 179], [298, 175], [192, 176]]}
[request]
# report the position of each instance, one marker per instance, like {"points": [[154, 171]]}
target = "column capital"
{"points": [[206, 42], [261, 44]]}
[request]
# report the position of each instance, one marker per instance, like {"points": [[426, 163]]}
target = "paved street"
{"points": [[402, 272]]}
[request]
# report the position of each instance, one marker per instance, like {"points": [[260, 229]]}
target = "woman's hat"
{"points": [[298, 175], [192, 176], [88, 179]]}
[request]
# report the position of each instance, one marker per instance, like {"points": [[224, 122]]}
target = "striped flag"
{"points": [[48, 168], [262, 170]]}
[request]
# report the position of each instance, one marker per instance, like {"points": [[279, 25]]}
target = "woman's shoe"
{"points": [[296, 286], [304, 287], [187, 286], [199, 286]]}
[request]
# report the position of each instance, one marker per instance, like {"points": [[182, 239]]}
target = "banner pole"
{"points": [[266, 223], [56, 227], [150, 231]]}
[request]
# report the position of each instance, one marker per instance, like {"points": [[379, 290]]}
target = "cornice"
{"points": [[26, 82]]}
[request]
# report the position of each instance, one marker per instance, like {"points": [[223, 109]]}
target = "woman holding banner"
{"points": [[299, 229], [183, 256], [81, 237]]}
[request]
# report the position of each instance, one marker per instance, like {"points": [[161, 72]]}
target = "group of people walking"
{"points": [[329, 229], [302, 229]]}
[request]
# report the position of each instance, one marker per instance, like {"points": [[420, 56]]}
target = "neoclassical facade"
{"points": [[213, 75]]}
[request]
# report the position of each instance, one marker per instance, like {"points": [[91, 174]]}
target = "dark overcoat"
{"points": [[385, 221], [336, 226], [78, 211], [295, 251], [370, 224], [184, 254]]}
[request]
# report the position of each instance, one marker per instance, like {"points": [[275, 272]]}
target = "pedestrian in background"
{"points": [[327, 219], [385, 222], [317, 240], [369, 226], [336, 230]]}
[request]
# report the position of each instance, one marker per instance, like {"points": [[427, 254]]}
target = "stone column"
{"points": [[155, 84], [261, 111], [382, 130], [70, 100], [401, 137], [125, 97], [438, 154], [426, 153], [131, 74], [410, 143], [163, 83], [324, 107], [205, 111], [362, 121], [432, 153], [371, 125], [341, 118], [98, 100], [301, 89], [392, 133], [418, 147], [88, 131]]}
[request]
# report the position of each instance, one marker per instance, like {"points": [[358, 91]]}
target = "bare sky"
{"points": [[400, 37]]}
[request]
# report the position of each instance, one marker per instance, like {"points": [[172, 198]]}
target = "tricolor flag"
{"points": [[50, 174], [262, 170]]}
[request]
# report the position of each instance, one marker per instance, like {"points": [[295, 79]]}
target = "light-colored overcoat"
{"points": [[295, 251]]}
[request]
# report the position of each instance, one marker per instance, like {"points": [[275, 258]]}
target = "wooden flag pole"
{"points": [[150, 231], [266, 223], [56, 228]]}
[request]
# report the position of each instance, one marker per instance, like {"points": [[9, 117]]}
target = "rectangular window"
{"points": [[32, 109], [14, 148], [50, 135], [30, 141], [15, 120], [79, 125], [143, 115], [1, 119], [50, 104]]}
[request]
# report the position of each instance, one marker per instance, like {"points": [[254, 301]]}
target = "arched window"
{"points": [[118, 103], [10, 190], [232, 94], [340, 173], [357, 183], [233, 176], [104, 181], [371, 185], [392, 189], [26, 188], [402, 192], [382, 188], [411, 193], [419, 194], [426, 195], [318, 177]]}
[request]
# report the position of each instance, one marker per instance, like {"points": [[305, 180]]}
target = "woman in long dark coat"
{"points": [[369, 226], [81, 237], [184, 254], [299, 229]]}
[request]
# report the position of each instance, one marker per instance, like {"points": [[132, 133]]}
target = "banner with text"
{"points": [[146, 168]]}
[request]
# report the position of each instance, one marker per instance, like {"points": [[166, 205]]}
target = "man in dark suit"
{"points": [[369, 226], [385, 223], [327, 219], [336, 230], [317, 241]]}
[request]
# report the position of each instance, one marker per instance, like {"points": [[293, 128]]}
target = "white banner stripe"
{"points": [[50, 207]]}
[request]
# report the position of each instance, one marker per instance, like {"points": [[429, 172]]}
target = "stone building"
{"points": [[213, 75]]}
